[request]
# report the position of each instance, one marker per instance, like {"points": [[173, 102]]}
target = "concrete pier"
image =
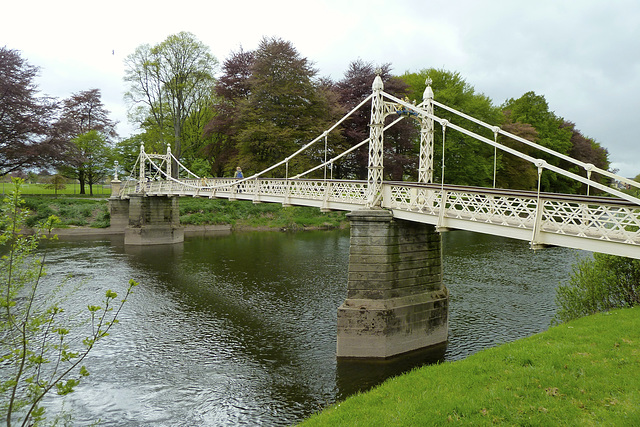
{"points": [[153, 220], [396, 301]]}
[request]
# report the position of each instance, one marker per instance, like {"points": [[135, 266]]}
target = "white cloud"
{"points": [[582, 55]]}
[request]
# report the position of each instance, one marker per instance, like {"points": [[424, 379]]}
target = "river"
{"points": [[240, 329]]}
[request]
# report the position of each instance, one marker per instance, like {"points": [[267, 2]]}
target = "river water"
{"points": [[240, 329]]}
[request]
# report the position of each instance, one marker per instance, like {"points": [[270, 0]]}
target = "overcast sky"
{"points": [[582, 55]]}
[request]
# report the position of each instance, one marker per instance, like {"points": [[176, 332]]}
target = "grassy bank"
{"points": [[89, 212], [72, 211], [245, 214], [73, 189], [586, 372]]}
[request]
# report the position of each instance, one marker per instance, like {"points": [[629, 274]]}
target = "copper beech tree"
{"points": [[30, 134]]}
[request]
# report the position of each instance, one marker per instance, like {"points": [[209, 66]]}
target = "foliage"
{"points": [[40, 349], [270, 106], [56, 183], [29, 136], [231, 88], [92, 160], [551, 133], [69, 211], [585, 372], [599, 284], [84, 111], [242, 214], [170, 84], [400, 142], [468, 161], [89, 132]]}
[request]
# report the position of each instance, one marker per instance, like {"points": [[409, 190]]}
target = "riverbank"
{"points": [[91, 216], [585, 372]]}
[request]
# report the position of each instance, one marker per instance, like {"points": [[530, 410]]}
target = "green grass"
{"points": [[99, 190], [91, 212], [585, 372], [82, 212], [242, 214]]}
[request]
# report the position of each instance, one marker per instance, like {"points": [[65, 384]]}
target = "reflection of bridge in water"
{"points": [[396, 301]]}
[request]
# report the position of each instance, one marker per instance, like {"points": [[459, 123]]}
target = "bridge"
{"points": [[402, 218]]}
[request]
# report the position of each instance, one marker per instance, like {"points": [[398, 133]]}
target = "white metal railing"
{"points": [[592, 223]]}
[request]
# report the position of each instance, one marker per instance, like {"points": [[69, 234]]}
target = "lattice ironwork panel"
{"points": [[611, 223], [348, 192]]}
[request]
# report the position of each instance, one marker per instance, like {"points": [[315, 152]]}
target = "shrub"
{"points": [[599, 284]]}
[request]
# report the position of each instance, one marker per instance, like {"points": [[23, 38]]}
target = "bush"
{"points": [[599, 284]]}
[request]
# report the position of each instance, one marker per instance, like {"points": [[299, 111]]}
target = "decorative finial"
{"points": [[428, 92]]}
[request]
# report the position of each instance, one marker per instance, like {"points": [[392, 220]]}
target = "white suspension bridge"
{"points": [[601, 224]]}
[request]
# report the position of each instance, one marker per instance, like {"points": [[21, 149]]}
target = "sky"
{"points": [[583, 56]]}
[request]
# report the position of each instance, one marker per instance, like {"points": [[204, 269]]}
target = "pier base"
{"points": [[396, 301], [153, 220]]}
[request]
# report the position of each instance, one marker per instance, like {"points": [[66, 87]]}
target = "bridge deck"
{"points": [[598, 224]]}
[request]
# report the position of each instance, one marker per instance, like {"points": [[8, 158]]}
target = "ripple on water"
{"points": [[241, 330]]}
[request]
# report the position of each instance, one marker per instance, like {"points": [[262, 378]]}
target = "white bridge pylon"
{"points": [[599, 224]]}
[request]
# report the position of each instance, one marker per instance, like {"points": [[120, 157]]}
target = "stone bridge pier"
{"points": [[147, 220], [396, 301]]}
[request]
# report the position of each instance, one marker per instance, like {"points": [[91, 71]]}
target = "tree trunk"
{"points": [[81, 179]]}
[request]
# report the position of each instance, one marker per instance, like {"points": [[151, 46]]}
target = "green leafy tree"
{"points": [[599, 284], [533, 109], [169, 83], [39, 348], [284, 109], [467, 161], [92, 160], [56, 183]]}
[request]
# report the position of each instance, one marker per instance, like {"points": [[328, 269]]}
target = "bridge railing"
{"points": [[541, 218], [286, 191]]}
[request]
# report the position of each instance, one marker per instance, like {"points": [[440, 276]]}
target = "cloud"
{"points": [[582, 56]]}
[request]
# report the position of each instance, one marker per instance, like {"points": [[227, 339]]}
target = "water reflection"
{"points": [[241, 329]]}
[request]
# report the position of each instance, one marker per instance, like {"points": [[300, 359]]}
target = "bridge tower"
{"points": [[376, 152], [396, 301], [147, 219]]}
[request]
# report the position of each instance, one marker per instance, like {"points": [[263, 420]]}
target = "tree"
{"points": [[91, 160], [56, 182], [270, 105], [467, 160], [90, 132], [39, 345], [28, 136], [232, 88], [589, 151], [533, 109], [596, 284], [515, 172], [400, 142], [83, 112], [168, 83]]}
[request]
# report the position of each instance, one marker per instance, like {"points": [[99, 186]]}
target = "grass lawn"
{"points": [[99, 190], [582, 373]]}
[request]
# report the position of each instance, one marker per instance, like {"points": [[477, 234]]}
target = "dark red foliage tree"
{"points": [[400, 142], [589, 151], [28, 137], [232, 87], [84, 111]]}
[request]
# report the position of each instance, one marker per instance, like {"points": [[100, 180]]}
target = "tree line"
{"points": [[260, 106]]}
